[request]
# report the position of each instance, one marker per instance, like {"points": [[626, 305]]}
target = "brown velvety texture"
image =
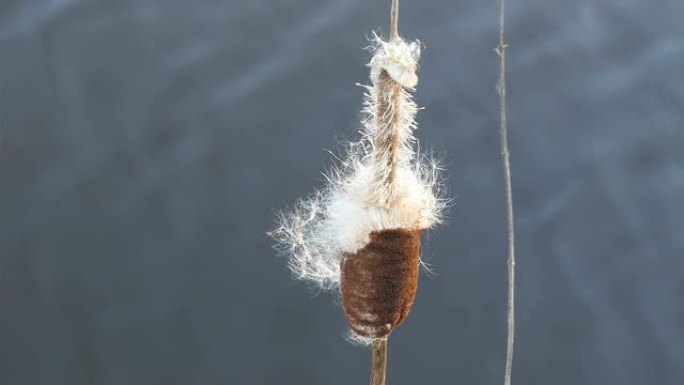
{"points": [[379, 282]]}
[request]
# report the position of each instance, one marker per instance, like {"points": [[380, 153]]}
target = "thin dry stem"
{"points": [[379, 361], [510, 226], [387, 117], [394, 20]]}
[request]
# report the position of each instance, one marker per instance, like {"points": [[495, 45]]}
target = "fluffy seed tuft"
{"points": [[382, 182]]}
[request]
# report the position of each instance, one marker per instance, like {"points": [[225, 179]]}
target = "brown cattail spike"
{"points": [[379, 282]]}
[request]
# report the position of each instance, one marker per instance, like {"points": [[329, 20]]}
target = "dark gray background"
{"points": [[145, 145]]}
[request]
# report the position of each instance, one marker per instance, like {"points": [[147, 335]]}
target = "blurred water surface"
{"points": [[144, 146]]}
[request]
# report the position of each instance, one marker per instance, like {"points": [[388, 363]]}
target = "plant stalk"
{"points": [[379, 361], [379, 345], [394, 20], [510, 224]]}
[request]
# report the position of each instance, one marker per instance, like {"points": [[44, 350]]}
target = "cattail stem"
{"points": [[393, 89], [379, 361], [394, 20], [388, 113], [510, 225]]}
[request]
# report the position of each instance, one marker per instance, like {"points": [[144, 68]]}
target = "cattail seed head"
{"points": [[379, 282], [361, 233]]}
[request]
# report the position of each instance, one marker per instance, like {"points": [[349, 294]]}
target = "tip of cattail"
{"points": [[399, 58]]}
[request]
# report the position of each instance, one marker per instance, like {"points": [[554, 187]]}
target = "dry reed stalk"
{"points": [[510, 224]]}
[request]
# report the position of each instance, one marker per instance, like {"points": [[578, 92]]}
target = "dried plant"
{"points": [[361, 232], [510, 223]]}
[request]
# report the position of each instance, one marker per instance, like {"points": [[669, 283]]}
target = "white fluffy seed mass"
{"points": [[381, 183]]}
